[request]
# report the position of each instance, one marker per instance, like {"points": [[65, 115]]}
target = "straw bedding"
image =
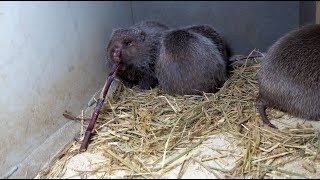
{"points": [[147, 133]]}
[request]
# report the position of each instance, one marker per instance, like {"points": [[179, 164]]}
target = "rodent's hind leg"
{"points": [[261, 105]]}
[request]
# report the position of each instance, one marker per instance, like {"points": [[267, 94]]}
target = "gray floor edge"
{"points": [[44, 154]]}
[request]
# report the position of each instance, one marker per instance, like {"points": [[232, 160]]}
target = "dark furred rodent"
{"points": [[190, 61], [209, 32], [289, 77], [137, 48]]}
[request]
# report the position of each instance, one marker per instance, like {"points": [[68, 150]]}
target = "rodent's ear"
{"points": [[116, 30], [107, 47], [143, 35]]}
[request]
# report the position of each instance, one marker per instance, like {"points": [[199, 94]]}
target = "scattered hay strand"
{"points": [[148, 129], [129, 165], [279, 170]]}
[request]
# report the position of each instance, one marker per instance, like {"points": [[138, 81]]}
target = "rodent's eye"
{"points": [[128, 43]]}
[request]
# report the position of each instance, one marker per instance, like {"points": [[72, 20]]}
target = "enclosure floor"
{"points": [[240, 148], [220, 146]]}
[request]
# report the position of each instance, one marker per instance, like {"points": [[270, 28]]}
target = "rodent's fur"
{"points": [[289, 77], [191, 61], [139, 48], [209, 32]]}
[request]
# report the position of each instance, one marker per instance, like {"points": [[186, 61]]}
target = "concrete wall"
{"points": [[51, 60], [245, 25], [307, 12], [318, 12]]}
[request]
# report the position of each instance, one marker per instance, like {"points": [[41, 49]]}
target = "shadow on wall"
{"points": [[244, 25]]}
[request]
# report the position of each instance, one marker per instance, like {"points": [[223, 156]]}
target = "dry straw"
{"points": [[141, 131]]}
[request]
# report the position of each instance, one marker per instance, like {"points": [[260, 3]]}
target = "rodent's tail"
{"points": [[253, 54]]}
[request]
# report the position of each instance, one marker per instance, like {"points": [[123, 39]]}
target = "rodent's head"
{"points": [[125, 45]]}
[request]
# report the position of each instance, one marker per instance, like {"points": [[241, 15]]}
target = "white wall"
{"points": [[51, 59]]}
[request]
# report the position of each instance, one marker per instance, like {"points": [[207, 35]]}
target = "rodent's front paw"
{"points": [[143, 86]]}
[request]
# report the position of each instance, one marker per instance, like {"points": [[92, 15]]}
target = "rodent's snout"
{"points": [[116, 54]]}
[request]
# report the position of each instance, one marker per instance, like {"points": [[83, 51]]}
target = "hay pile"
{"points": [[140, 132]]}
